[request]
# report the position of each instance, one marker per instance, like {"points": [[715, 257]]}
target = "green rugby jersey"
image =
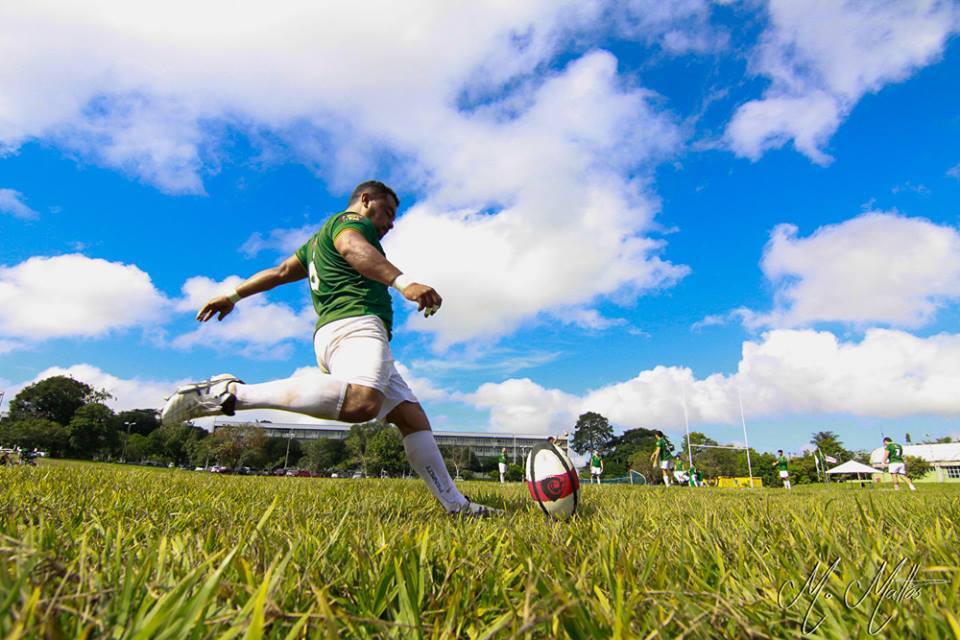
{"points": [[894, 452], [664, 449], [338, 290], [595, 461], [503, 458], [782, 463], [679, 464]]}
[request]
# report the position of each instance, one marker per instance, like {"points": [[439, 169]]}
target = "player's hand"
{"points": [[426, 297], [219, 305]]}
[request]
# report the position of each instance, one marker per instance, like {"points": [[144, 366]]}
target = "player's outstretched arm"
{"points": [[370, 263], [290, 270]]}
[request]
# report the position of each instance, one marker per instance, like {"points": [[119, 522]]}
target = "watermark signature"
{"points": [[888, 585]]}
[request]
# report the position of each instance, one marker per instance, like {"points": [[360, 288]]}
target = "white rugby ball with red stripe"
{"points": [[553, 481]]}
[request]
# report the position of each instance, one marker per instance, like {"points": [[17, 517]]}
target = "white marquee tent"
{"points": [[852, 466]]}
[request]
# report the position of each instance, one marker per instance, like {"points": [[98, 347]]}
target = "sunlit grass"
{"points": [[98, 550]]}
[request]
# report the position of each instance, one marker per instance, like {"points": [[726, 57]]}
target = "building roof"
{"points": [[945, 452]]}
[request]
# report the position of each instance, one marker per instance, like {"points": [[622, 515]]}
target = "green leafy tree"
{"points": [[276, 451], [36, 433], [93, 431], [142, 421], [359, 439], [917, 467], [829, 443], [323, 454], [386, 452], [56, 398], [137, 448], [591, 432], [621, 451]]}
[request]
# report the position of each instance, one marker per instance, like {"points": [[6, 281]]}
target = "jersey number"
{"points": [[314, 278]]}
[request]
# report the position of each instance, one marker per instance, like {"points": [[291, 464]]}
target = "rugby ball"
{"points": [[553, 481]]}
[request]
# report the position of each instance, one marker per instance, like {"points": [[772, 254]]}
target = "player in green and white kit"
{"points": [[349, 276], [502, 465], [781, 464], [893, 458], [696, 478], [680, 471], [662, 456], [596, 466]]}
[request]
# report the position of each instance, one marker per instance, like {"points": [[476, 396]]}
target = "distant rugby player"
{"points": [[781, 464], [349, 276], [502, 465], [893, 457], [596, 466], [661, 454], [680, 471]]}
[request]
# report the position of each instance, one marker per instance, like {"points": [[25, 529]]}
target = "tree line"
{"points": [[68, 418], [632, 449]]}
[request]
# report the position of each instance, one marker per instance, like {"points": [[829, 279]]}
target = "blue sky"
{"points": [[623, 204]]}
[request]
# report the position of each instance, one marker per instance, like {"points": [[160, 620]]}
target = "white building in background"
{"points": [[945, 459], [483, 445]]}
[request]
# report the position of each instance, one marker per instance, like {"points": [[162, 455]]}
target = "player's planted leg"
{"points": [[424, 456]]}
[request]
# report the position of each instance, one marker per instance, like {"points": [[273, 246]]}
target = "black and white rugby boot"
{"points": [[199, 399]]}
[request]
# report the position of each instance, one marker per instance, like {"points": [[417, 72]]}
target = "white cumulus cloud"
{"points": [[545, 169], [73, 295], [888, 374], [128, 393], [12, 202], [875, 268], [255, 327], [822, 56]]}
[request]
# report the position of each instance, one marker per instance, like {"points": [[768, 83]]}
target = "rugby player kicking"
{"points": [[893, 457], [348, 275]]}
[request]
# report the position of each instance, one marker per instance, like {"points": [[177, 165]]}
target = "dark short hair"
{"points": [[887, 439], [779, 450], [376, 189]]}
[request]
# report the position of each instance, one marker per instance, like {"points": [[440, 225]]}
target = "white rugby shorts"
{"points": [[784, 474], [595, 470], [502, 467], [664, 464], [897, 467], [357, 350]]}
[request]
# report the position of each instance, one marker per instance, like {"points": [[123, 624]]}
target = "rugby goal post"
{"points": [[743, 422]]}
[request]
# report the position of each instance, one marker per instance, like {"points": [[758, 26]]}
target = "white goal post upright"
{"points": [[746, 442], [686, 424]]}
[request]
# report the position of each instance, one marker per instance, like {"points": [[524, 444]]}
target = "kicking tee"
{"points": [[782, 463], [337, 289], [894, 452]]}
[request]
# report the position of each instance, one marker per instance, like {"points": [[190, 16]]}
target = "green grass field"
{"points": [[93, 550]]}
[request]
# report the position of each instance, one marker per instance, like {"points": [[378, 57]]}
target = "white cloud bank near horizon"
{"points": [[887, 374]]}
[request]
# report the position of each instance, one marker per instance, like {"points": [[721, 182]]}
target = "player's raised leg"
{"points": [[318, 395]]}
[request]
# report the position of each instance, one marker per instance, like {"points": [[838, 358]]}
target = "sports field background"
{"points": [[96, 550]]}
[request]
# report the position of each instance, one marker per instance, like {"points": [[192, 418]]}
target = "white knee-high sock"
{"points": [[424, 456], [786, 483], [319, 395]]}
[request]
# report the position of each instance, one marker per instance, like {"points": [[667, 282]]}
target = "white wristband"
{"points": [[234, 297], [401, 282]]}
